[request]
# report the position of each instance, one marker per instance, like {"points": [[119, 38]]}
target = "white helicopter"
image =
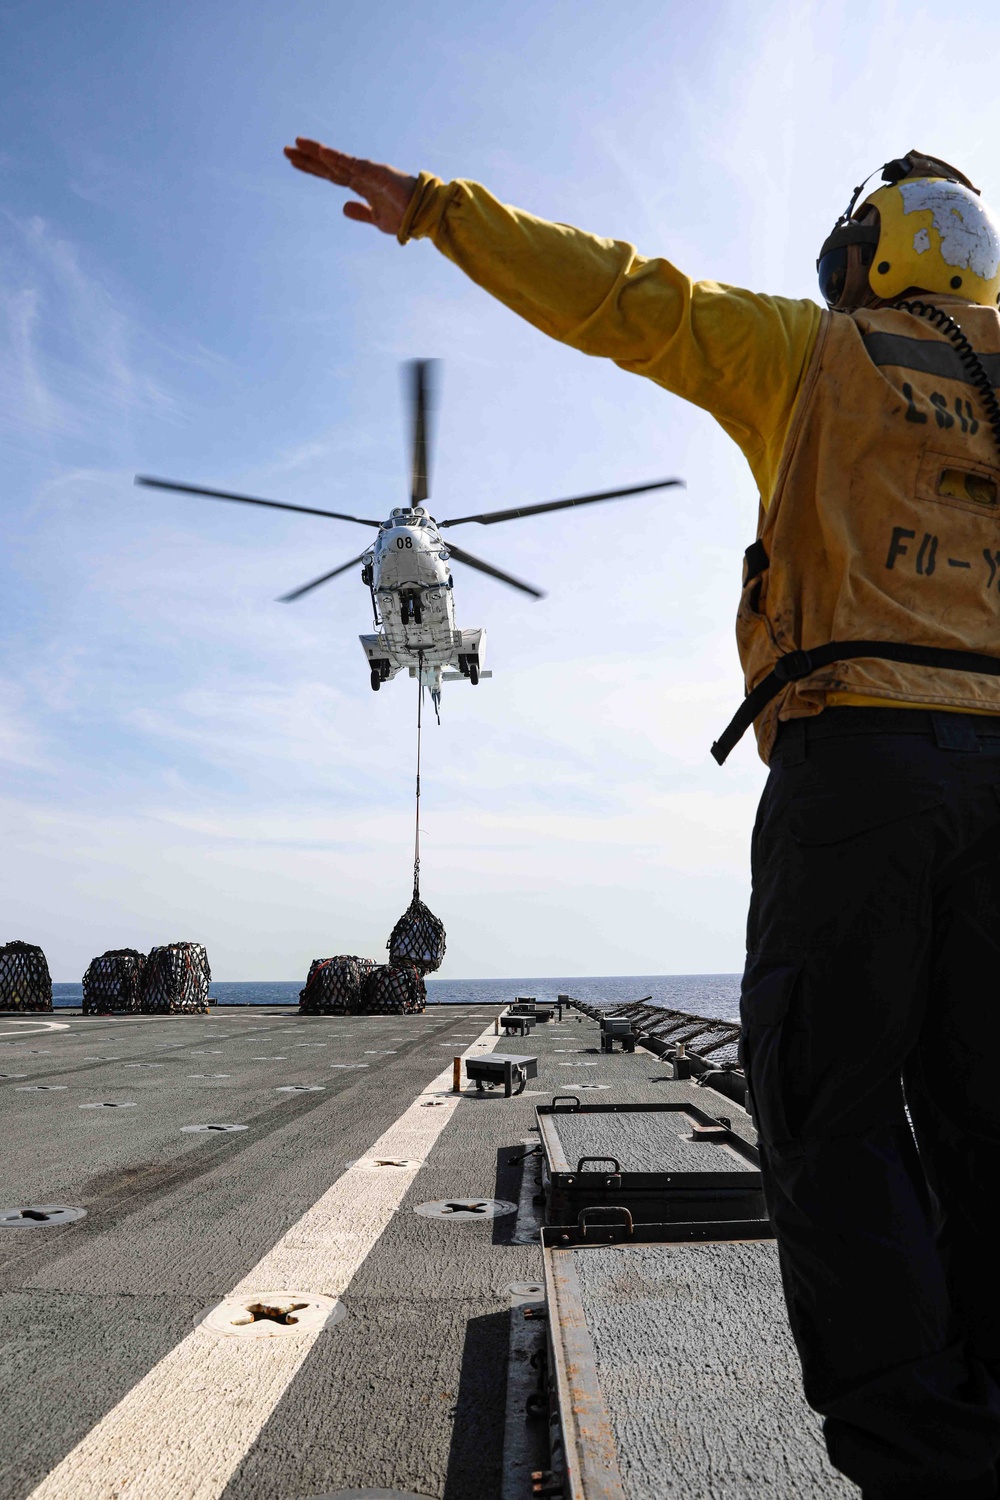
{"points": [[406, 569]]}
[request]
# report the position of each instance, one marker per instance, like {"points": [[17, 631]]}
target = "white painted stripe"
{"points": [[35, 1027], [181, 1432]]}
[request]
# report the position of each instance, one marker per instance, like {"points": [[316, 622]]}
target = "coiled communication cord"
{"points": [[977, 370]]}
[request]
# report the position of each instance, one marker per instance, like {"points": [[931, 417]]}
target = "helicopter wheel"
{"points": [[473, 672], [376, 679]]}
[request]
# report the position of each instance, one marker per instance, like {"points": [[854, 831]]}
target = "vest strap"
{"points": [[798, 664]]}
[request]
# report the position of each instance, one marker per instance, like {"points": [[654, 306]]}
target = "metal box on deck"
{"points": [[493, 1068], [520, 1024]]}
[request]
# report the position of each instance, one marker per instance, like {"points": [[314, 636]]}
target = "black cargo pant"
{"points": [[871, 1002]]}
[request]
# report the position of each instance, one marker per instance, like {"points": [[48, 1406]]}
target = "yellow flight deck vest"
{"points": [[884, 530]]}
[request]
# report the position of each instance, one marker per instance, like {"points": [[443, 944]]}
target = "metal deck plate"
{"points": [[683, 1352], [643, 1142]]}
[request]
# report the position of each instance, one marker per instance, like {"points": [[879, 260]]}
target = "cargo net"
{"points": [[112, 981], [417, 938], [176, 977], [24, 978], [393, 990], [334, 985]]}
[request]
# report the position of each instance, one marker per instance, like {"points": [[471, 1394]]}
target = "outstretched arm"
{"points": [[738, 354]]}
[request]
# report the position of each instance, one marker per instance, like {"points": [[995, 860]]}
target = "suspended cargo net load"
{"points": [[176, 978], [418, 938], [393, 990], [334, 985], [25, 983], [112, 981]]}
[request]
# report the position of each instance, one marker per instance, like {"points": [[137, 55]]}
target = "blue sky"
{"points": [[180, 756]]}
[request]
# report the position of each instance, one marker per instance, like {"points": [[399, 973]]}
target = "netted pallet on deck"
{"points": [[176, 978], [393, 990], [334, 985], [112, 981], [417, 938], [24, 978]]}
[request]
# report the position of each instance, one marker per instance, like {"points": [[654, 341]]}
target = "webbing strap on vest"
{"points": [[798, 664]]}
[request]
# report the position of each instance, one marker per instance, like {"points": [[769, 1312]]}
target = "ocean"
{"points": [[704, 994]]}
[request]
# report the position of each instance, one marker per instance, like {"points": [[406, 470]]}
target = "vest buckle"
{"points": [[793, 666]]}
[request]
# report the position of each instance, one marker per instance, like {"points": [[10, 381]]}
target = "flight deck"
{"points": [[300, 1265]]}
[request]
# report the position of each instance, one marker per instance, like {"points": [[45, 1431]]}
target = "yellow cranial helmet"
{"points": [[929, 232]]}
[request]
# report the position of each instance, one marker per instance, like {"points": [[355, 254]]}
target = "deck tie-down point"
{"points": [[272, 1314], [466, 1208], [374, 1162], [40, 1216], [282, 1313]]}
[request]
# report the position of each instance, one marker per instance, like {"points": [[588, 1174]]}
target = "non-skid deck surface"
{"points": [[407, 1393], [653, 1141], [700, 1376]]}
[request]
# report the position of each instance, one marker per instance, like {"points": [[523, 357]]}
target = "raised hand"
{"points": [[386, 191]]}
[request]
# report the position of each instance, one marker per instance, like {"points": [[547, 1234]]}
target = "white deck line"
{"points": [[182, 1431], [36, 1026]]}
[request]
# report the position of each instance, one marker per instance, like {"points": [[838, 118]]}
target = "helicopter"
{"points": [[406, 569]]}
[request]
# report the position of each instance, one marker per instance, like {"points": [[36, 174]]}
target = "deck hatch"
{"points": [[662, 1162], [669, 1344]]}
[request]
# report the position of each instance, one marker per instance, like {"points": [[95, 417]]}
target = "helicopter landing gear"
{"points": [[380, 673], [469, 667], [473, 672], [410, 611], [376, 679]]}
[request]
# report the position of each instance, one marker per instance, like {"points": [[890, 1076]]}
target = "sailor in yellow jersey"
{"points": [[868, 632]]}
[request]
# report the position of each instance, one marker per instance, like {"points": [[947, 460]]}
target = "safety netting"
{"points": [[707, 1037], [333, 986], [393, 990], [176, 977], [713, 1039], [112, 981], [417, 938], [25, 983]]}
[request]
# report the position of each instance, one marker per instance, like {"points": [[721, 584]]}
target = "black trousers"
{"points": [[871, 1037]]}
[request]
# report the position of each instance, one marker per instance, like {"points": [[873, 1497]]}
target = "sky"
{"points": [[181, 757]]}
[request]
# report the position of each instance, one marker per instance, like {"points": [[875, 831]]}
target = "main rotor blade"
{"points": [[196, 489], [421, 382], [484, 567], [297, 593], [490, 517]]}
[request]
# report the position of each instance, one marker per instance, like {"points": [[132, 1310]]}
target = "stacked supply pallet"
{"points": [[25, 983]]}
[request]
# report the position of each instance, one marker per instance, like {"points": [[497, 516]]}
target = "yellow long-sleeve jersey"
{"points": [[740, 355]]}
